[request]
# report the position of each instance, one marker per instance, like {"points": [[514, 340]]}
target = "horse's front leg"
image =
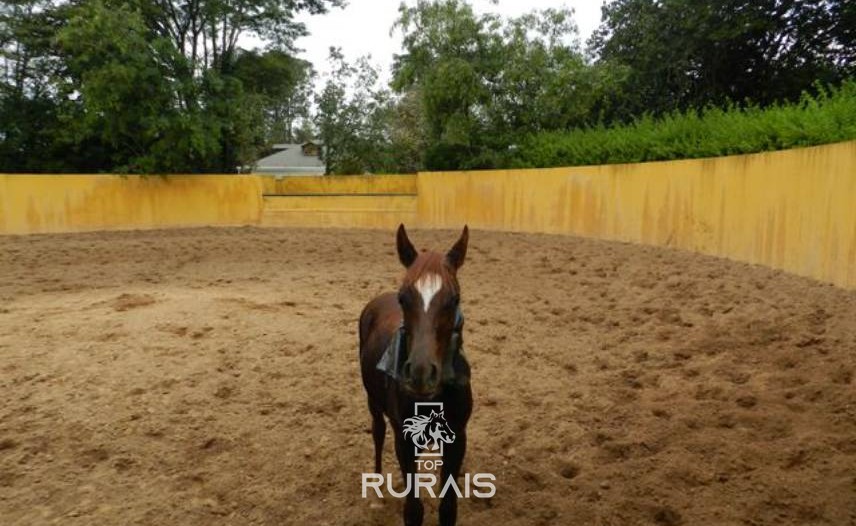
{"points": [[453, 458], [413, 510]]}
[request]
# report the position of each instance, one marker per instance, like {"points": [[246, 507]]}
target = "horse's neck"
{"points": [[433, 432]]}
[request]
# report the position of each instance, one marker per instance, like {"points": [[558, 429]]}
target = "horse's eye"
{"points": [[404, 299], [454, 300]]}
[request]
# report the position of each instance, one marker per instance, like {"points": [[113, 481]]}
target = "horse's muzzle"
{"points": [[421, 378]]}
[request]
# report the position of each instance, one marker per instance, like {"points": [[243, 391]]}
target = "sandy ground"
{"points": [[210, 377]]}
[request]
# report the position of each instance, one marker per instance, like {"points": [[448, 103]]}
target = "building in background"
{"points": [[293, 159]]}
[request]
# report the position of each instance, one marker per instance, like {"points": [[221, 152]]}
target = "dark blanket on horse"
{"points": [[456, 370]]}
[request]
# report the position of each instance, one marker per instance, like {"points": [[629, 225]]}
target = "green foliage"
{"points": [[127, 101], [283, 87], [682, 54], [829, 116], [450, 58], [365, 129], [162, 85], [520, 91], [406, 129], [30, 128], [484, 81], [147, 85]]}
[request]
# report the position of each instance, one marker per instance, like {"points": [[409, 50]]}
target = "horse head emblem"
{"points": [[429, 432]]}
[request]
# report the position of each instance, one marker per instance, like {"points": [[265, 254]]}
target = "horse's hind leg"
{"points": [[378, 433]]}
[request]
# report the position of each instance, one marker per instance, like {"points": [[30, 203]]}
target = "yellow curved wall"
{"points": [[348, 201], [340, 184], [794, 210], [73, 203], [342, 211]]}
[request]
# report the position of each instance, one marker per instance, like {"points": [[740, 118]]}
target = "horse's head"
{"points": [[429, 299], [438, 429]]}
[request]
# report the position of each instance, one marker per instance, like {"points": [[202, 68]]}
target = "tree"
{"points": [[304, 130], [407, 132], [545, 81], [123, 88], [484, 81], [206, 32], [283, 85], [147, 85], [353, 114], [450, 57], [680, 54], [30, 127], [844, 35]]}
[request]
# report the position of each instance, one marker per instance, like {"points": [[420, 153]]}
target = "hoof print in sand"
{"points": [[125, 302]]}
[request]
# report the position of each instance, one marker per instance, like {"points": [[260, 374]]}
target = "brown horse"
{"points": [[410, 351]]}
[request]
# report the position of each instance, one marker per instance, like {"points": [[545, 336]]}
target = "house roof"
{"points": [[290, 159]]}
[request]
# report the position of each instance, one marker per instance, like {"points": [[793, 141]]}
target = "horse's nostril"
{"points": [[432, 376], [420, 376]]}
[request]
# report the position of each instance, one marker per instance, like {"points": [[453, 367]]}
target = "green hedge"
{"points": [[829, 116]]}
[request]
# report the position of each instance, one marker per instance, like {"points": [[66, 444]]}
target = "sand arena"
{"points": [[209, 376]]}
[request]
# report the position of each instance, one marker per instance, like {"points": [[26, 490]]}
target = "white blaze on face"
{"points": [[428, 286]]}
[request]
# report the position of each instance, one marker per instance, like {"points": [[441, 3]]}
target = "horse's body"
{"points": [[426, 311]]}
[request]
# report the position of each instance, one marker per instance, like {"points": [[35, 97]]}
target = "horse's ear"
{"points": [[458, 253], [406, 252]]}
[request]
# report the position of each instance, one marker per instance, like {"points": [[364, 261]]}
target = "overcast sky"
{"points": [[363, 27]]}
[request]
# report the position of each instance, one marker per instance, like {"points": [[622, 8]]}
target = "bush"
{"points": [[829, 116]]}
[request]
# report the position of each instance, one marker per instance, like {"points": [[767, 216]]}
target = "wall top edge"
{"points": [[675, 162]]}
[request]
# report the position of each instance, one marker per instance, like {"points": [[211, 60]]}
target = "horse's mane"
{"points": [[415, 426]]}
